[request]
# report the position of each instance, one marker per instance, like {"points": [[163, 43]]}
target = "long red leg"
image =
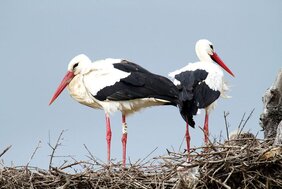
{"points": [[108, 137], [124, 139], [206, 128], [187, 136]]}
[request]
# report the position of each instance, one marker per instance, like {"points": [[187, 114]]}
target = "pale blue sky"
{"points": [[38, 39]]}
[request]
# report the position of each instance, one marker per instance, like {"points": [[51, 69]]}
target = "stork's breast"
{"points": [[79, 92]]}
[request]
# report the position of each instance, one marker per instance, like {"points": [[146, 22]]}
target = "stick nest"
{"points": [[237, 163]]}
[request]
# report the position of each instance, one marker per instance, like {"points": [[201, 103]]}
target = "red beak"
{"points": [[67, 79], [216, 58]]}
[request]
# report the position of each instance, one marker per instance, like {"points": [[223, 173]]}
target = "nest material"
{"points": [[249, 163]]}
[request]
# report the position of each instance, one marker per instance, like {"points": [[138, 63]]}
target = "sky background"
{"points": [[39, 38]]}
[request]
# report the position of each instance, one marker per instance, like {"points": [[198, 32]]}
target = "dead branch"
{"points": [[5, 150], [54, 148], [33, 154], [221, 166], [246, 121], [225, 114]]}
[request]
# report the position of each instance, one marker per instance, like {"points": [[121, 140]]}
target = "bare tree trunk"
{"points": [[278, 138], [272, 110]]}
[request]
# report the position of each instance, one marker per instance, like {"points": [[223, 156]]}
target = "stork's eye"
{"points": [[74, 66], [211, 46]]}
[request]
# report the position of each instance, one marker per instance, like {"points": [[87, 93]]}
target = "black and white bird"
{"points": [[116, 85], [201, 84]]}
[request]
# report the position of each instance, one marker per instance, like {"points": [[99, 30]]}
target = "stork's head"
{"points": [[205, 52], [78, 65]]}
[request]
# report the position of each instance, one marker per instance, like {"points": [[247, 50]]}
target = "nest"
{"points": [[237, 163]]}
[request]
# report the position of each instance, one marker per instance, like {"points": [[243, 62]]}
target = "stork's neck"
{"points": [[204, 56], [79, 92]]}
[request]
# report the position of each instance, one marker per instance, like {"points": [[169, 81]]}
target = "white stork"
{"points": [[200, 84], [116, 85]]}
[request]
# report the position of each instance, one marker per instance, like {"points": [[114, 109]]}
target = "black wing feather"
{"points": [[139, 84], [205, 95], [194, 93], [127, 66]]}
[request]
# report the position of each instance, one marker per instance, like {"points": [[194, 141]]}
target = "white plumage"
{"points": [[116, 85], [201, 83], [96, 76], [214, 80], [92, 78]]}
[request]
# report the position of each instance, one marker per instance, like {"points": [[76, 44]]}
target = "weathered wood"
{"points": [[272, 111], [278, 138]]}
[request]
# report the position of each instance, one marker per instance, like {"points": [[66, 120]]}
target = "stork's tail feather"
{"points": [[187, 105], [194, 93], [187, 110]]}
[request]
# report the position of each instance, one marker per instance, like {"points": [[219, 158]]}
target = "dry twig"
{"points": [[5, 150], [54, 148], [222, 166]]}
